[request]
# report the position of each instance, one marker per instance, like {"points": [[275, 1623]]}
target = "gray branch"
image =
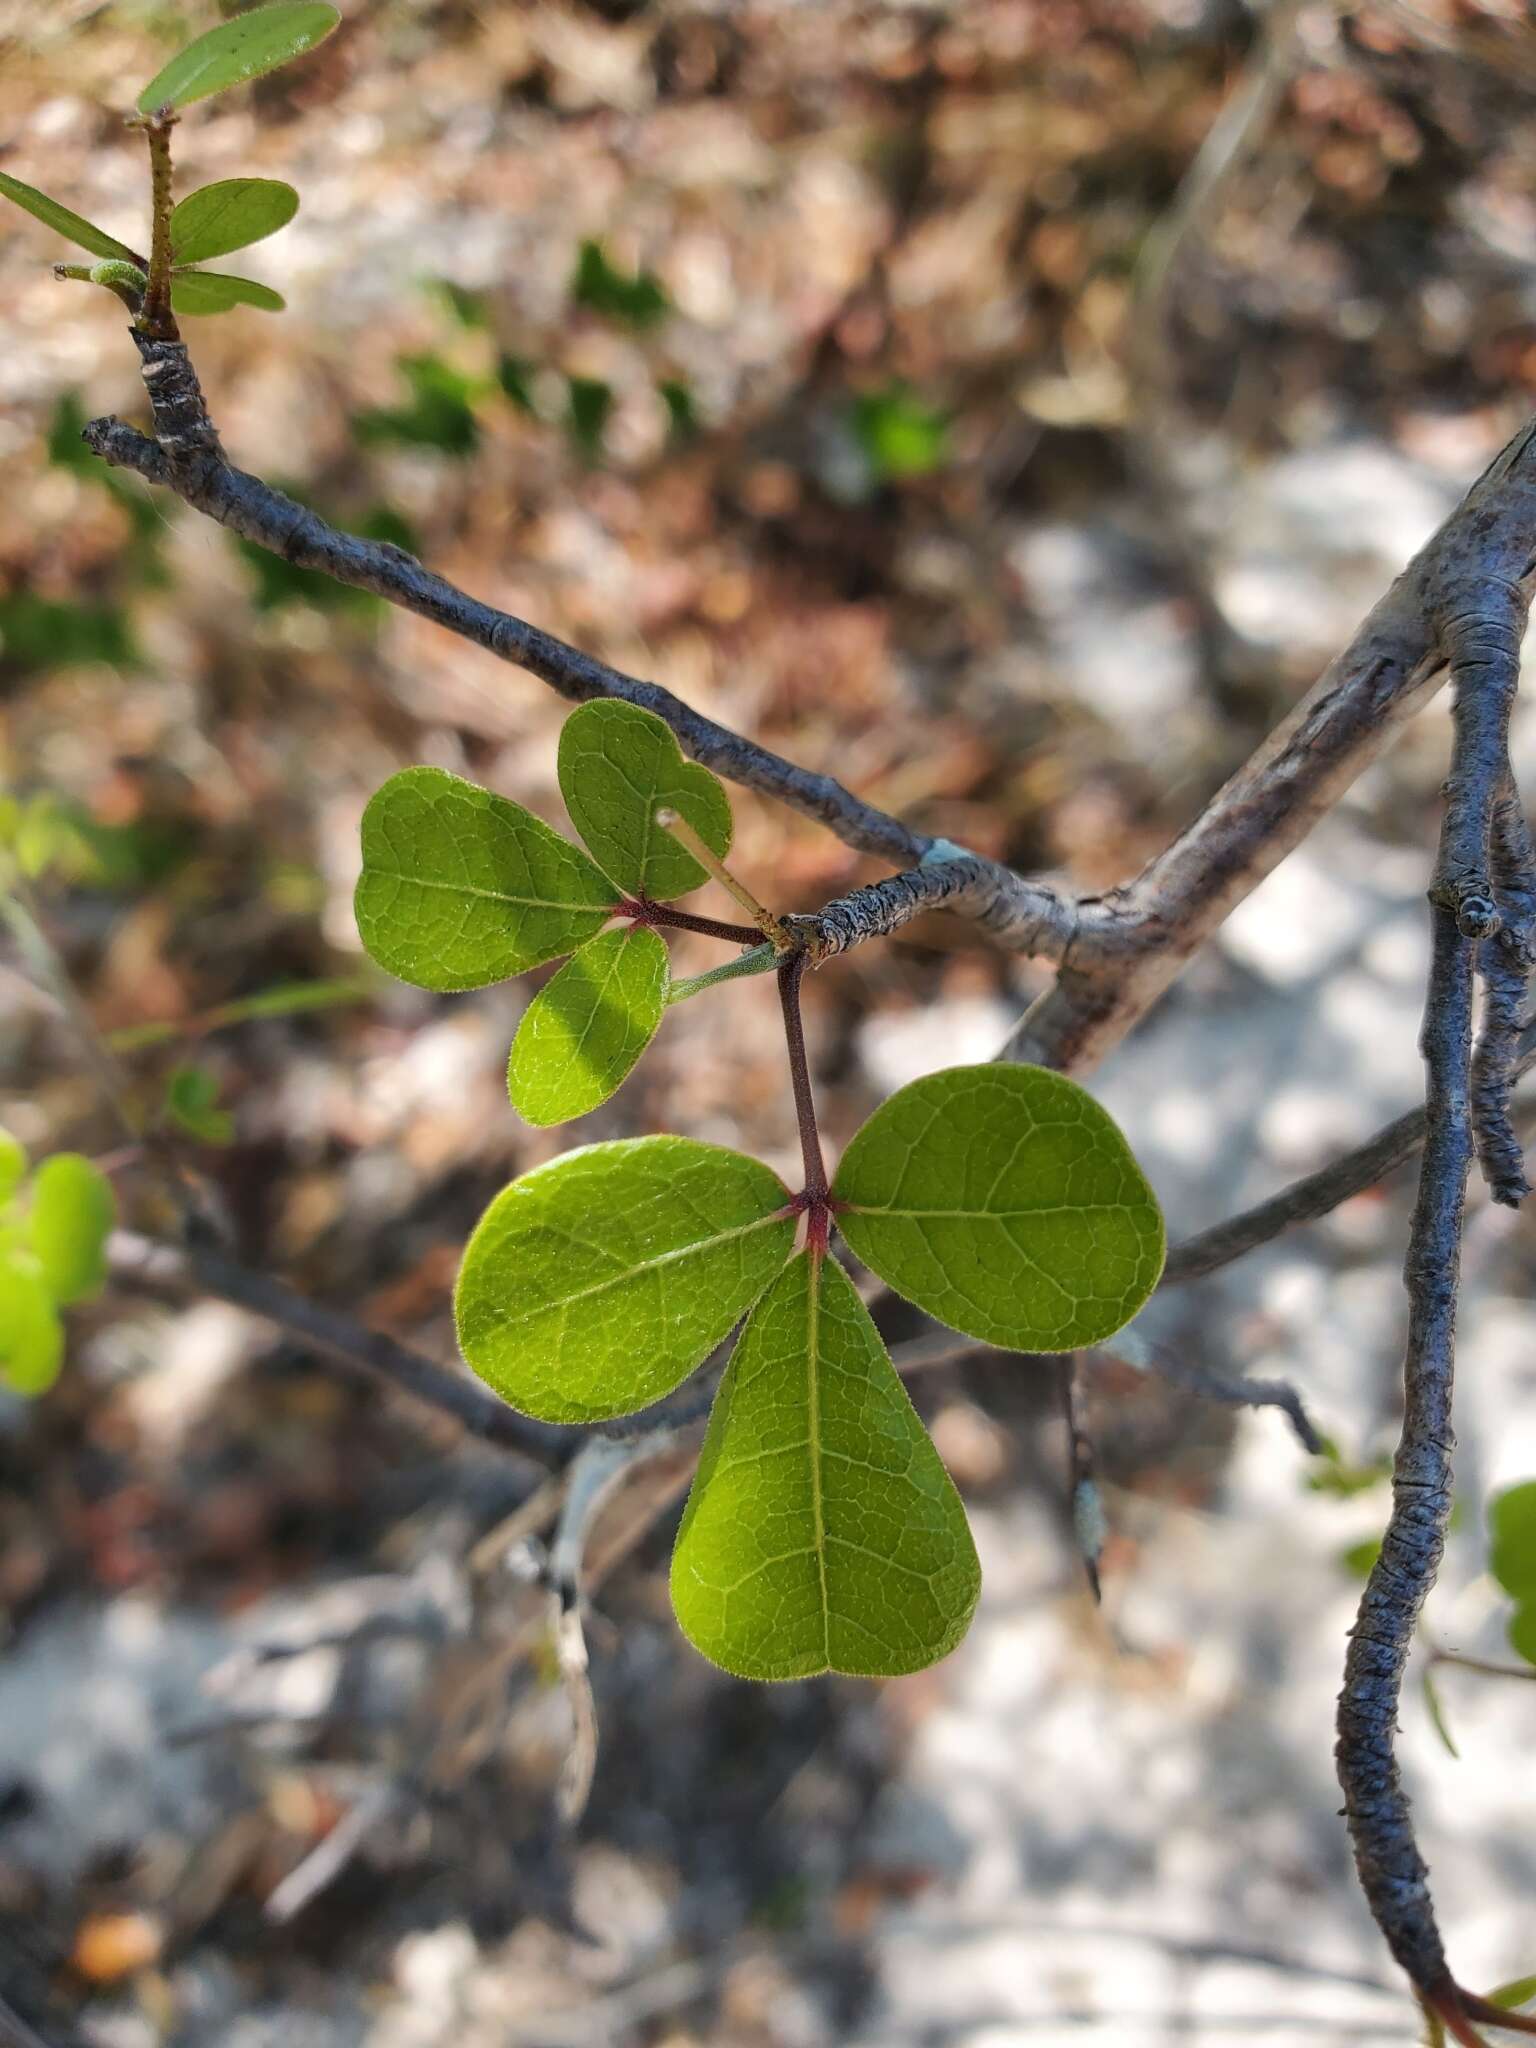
{"points": [[1135, 942], [1481, 623], [187, 458]]}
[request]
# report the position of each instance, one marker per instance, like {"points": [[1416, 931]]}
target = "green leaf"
{"points": [[247, 47], [441, 412], [583, 1032], [31, 1335], [72, 1210], [216, 291], [192, 1102], [1522, 1631], [1436, 1711], [81, 232], [1512, 1533], [461, 888], [638, 301], [230, 215], [1359, 1559], [590, 401], [682, 413], [1005, 1202], [594, 1285], [822, 1532], [1517, 1992], [618, 764], [901, 436], [515, 376], [13, 1165]]}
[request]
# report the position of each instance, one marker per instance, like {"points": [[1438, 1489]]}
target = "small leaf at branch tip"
{"points": [[247, 47], [621, 770], [114, 272], [1006, 1202]]}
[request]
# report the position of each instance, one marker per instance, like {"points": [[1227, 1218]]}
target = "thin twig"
{"points": [[1317, 1194], [258, 513], [597, 1470], [1526, 1673], [15, 2029], [1083, 1496], [138, 1261], [330, 1856], [1130, 1348]]}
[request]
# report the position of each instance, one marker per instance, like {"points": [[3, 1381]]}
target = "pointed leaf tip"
{"points": [[247, 47], [584, 1031], [619, 766], [594, 1285], [823, 1532], [1005, 1202], [83, 233]]}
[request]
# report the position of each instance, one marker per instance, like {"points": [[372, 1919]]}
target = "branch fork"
{"points": [[1460, 605]]}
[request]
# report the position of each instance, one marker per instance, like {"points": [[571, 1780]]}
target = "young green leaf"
{"points": [[594, 1285], [584, 1030], [216, 291], [71, 1212], [1512, 1528], [618, 765], [461, 888], [822, 1532], [192, 1103], [13, 1165], [246, 47], [230, 215], [1005, 1202], [901, 436], [81, 232], [1517, 1992], [31, 1335], [116, 276]]}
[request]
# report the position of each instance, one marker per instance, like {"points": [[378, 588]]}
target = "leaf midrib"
{"points": [[813, 1420], [646, 1266], [485, 895], [981, 1215]]}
